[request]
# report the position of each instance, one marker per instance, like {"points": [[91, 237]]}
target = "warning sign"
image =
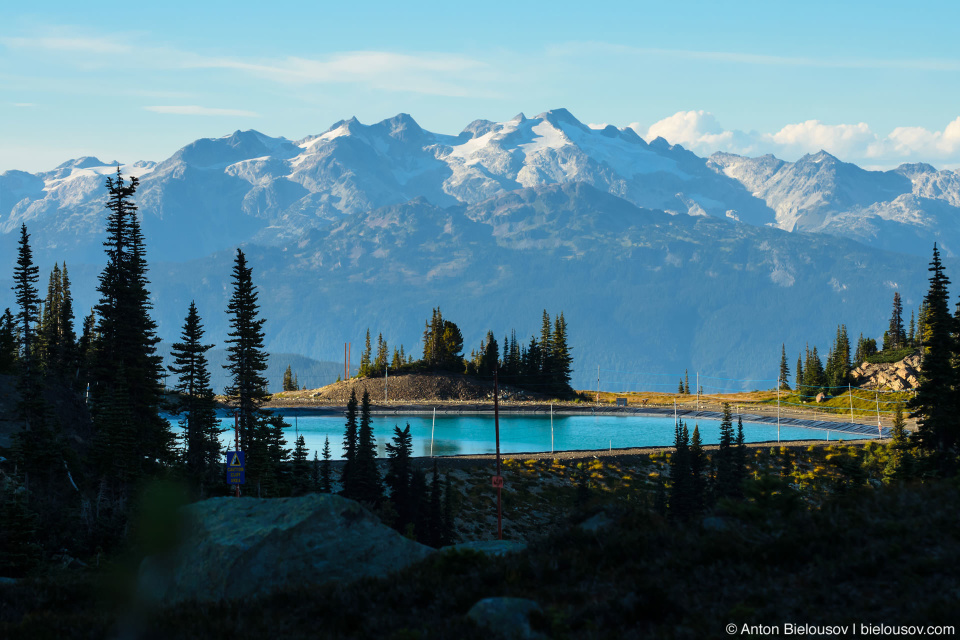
{"points": [[497, 481], [235, 467]]}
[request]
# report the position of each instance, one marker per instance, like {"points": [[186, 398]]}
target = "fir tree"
{"points": [[315, 471], [547, 365], [419, 505], [935, 402], [686, 383], [19, 551], [326, 481], [347, 472], [246, 364], [369, 486], [900, 464], [8, 343], [911, 332], [26, 275], [740, 456], [799, 382], [365, 358], [726, 456], [784, 369], [681, 491], [288, 379], [680, 388], [895, 330], [449, 525], [399, 475], [698, 482], [561, 359], [127, 370], [433, 535], [301, 467], [197, 405]]}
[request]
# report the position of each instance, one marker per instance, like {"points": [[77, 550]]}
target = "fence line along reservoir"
{"points": [[454, 435]]}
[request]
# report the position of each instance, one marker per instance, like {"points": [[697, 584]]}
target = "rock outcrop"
{"points": [[240, 547], [893, 376]]}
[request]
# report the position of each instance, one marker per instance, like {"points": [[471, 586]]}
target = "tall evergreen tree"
{"points": [[433, 535], [449, 526], [326, 476], [561, 359], [547, 365], [399, 475], [26, 275], [301, 467], [740, 456], [900, 465], [895, 331], [935, 400], [348, 471], [784, 368], [726, 456], [246, 364], [681, 490], [686, 382], [697, 466], [127, 370], [912, 331], [799, 382], [196, 404], [369, 486], [365, 364], [288, 379], [8, 342]]}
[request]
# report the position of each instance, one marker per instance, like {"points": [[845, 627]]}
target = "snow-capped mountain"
{"points": [[905, 209]]}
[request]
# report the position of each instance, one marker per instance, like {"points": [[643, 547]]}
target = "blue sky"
{"points": [[875, 83]]}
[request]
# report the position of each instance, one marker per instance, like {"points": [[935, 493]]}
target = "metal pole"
{"points": [[850, 392], [551, 427], [496, 426], [432, 429], [236, 442], [879, 428]]}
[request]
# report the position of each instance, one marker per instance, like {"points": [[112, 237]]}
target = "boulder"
{"points": [[821, 397], [489, 547], [234, 547], [506, 617]]}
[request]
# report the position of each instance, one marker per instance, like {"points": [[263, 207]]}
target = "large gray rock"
{"points": [[506, 617], [240, 547]]}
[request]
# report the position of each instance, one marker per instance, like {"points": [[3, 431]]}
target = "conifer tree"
{"points": [[433, 535], [347, 472], [399, 475], [799, 382], [680, 388], [698, 482], [127, 370], [26, 275], [935, 401], [301, 467], [288, 379], [547, 364], [900, 465], [196, 404], [895, 330], [784, 369], [369, 486], [740, 456], [686, 383], [326, 481], [67, 352], [561, 358], [365, 357], [726, 456], [315, 472], [419, 505], [681, 490], [247, 362], [8, 343]]}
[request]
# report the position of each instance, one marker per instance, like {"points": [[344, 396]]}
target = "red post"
{"points": [[496, 425], [236, 441]]}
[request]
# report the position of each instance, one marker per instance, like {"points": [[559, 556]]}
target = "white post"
{"points": [[698, 391], [551, 427], [386, 374], [778, 408], [879, 427], [850, 391], [432, 429]]}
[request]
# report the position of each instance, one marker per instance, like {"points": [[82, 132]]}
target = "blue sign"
{"points": [[235, 467]]}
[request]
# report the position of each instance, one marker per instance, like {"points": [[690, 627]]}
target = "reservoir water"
{"points": [[474, 434]]}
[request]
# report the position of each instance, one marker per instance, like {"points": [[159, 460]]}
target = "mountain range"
{"points": [[661, 260]]}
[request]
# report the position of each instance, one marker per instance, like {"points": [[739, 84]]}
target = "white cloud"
{"points": [[701, 132], [68, 43], [24, 105], [194, 110]]}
